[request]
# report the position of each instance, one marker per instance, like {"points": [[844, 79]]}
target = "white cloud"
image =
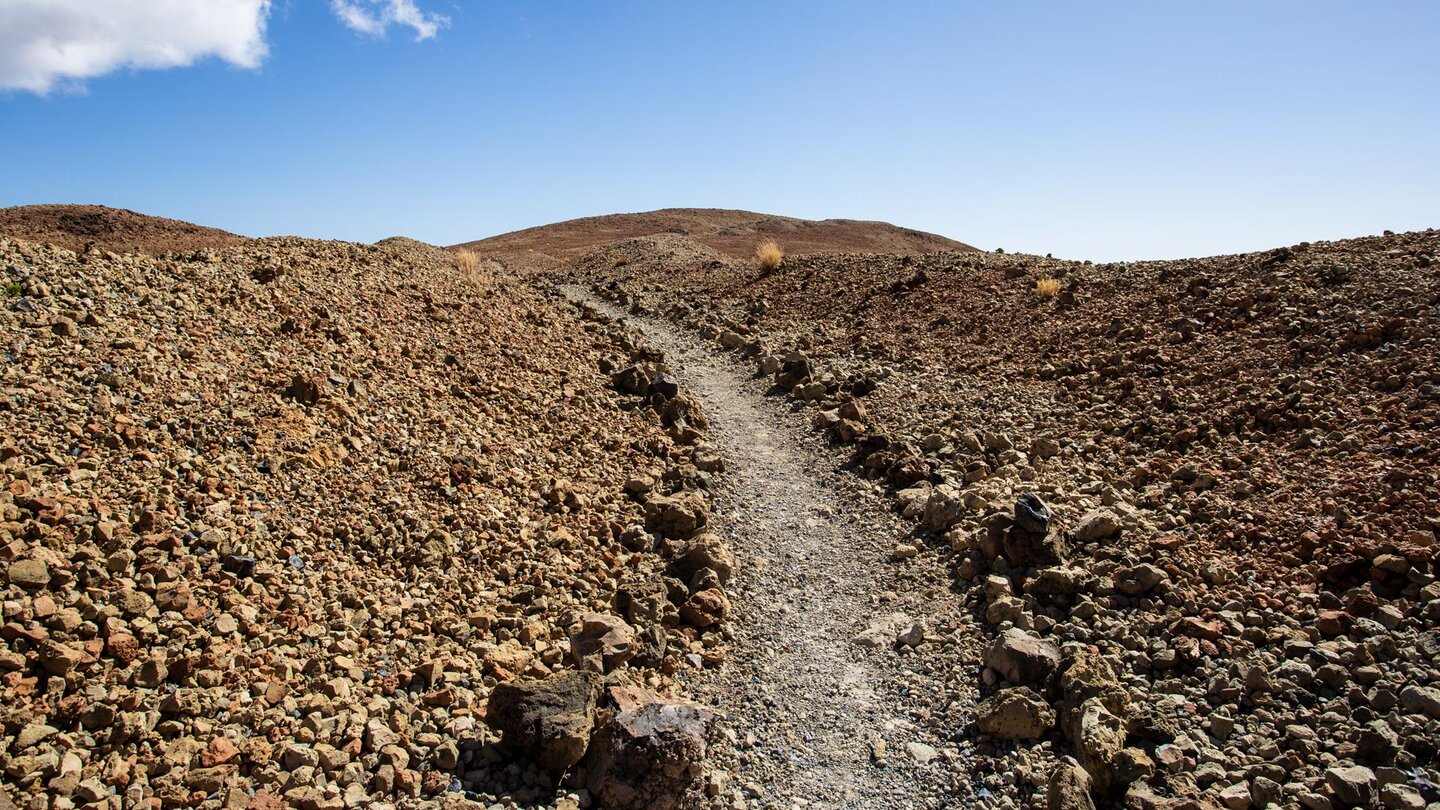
{"points": [[374, 17], [45, 44]]}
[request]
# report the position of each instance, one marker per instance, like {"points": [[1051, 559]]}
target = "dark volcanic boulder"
{"points": [[549, 720], [1033, 550], [1031, 514], [631, 380], [648, 750]]}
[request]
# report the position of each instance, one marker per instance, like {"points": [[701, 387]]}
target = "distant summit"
{"points": [[733, 233]]}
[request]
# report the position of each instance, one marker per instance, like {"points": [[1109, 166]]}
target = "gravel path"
{"points": [[820, 721]]}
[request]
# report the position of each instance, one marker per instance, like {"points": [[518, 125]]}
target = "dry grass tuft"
{"points": [[467, 261], [1047, 287], [620, 260], [768, 255], [483, 273]]}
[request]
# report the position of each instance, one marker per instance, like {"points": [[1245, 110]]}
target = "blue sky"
{"points": [[1096, 130]]}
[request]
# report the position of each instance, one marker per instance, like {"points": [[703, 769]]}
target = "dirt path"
{"points": [[821, 721]]}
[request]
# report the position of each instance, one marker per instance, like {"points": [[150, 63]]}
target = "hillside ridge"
{"points": [[120, 230], [731, 232]]}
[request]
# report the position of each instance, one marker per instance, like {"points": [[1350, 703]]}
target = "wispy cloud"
{"points": [[374, 17], [57, 44]]}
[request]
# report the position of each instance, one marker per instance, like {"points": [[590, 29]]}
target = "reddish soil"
{"points": [[115, 229], [732, 233]]}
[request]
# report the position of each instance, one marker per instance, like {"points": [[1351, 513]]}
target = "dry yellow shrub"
{"points": [[466, 260], [768, 255]]}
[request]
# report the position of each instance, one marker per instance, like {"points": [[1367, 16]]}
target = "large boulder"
{"points": [[648, 750], [705, 608], [676, 517], [1085, 674], [795, 368], [703, 551], [1015, 714], [1021, 658], [1100, 748], [943, 509], [548, 721], [1098, 524], [1032, 549], [1031, 514], [601, 642]]}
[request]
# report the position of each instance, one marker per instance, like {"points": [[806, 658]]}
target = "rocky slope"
{"points": [[276, 521], [1194, 502], [729, 233], [298, 523], [75, 227]]}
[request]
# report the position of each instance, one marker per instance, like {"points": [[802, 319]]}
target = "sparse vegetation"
{"points": [[13, 289], [467, 261], [768, 255], [1047, 287]]}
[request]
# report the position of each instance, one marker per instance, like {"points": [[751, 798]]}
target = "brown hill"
{"points": [[733, 233], [115, 229]]}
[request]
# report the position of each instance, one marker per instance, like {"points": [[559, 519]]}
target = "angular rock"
{"points": [[676, 517], [1058, 581], [1068, 787], [631, 380], [548, 720], [29, 574], [703, 551], [647, 751], [1097, 525], [705, 608], [1401, 797], [1031, 514], [1015, 714], [1138, 579], [1425, 699], [1032, 549], [1022, 658], [1084, 676], [664, 385], [1236, 796], [943, 509], [882, 630], [795, 369], [1377, 743], [602, 642], [1353, 786], [1100, 749], [305, 389]]}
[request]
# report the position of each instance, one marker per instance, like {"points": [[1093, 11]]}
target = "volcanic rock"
{"points": [[602, 642], [1022, 658], [549, 720], [647, 750], [1015, 714]]}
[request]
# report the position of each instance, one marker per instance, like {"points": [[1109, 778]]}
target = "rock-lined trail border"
{"points": [[818, 719]]}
